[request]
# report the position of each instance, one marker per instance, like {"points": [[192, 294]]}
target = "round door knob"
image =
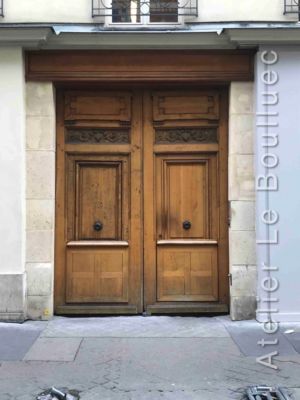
{"points": [[98, 226], [186, 225]]}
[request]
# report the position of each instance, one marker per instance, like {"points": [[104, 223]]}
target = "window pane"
{"points": [[126, 11], [163, 11]]}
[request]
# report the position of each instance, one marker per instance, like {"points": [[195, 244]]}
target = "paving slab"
{"points": [[295, 393], [135, 327], [53, 349], [154, 395], [254, 342], [291, 332], [247, 334], [16, 339], [147, 368]]}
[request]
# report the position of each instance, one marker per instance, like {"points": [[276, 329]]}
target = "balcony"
{"points": [[144, 11], [292, 7]]}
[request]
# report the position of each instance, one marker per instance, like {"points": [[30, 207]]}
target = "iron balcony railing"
{"points": [[292, 7], [139, 11]]}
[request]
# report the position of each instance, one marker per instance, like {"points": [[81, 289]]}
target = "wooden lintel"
{"points": [[140, 66]]}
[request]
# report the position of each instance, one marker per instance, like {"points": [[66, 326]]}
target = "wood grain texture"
{"points": [[97, 106], [140, 66], [185, 105], [99, 199], [95, 275], [142, 191], [187, 273], [95, 136], [98, 269], [185, 181], [186, 135]]}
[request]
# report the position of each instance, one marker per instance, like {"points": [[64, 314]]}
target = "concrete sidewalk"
{"points": [[122, 358]]}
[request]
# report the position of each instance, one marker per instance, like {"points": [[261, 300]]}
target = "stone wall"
{"points": [[242, 201], [40, 198]]}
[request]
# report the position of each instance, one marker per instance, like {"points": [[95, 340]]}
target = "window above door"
{"points": [[144, 11]]}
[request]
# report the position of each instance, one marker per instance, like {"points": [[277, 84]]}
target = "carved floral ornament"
{"points": [[94, 136], [186, 135]]}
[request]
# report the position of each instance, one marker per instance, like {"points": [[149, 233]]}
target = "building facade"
{"points": [[149, 158]]}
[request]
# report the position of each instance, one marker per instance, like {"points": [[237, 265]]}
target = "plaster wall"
{"points": [[79, 11], [12, 184]]}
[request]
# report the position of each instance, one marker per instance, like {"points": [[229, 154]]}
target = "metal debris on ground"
{"points": [[289, 331], [267, 393], [58, 394]]}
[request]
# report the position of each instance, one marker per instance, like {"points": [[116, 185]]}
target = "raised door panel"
{"points": [[99, 196], [97, 275], [186, 199], [98, 106], [185, 105], [187, 273]]}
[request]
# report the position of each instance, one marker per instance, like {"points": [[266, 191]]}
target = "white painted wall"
{"points": [[12, 166], [250, 10], [80, 11], [284, 254]]}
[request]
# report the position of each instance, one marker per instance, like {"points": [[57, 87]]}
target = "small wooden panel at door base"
{"points": [[187, 273], [97, 275]]}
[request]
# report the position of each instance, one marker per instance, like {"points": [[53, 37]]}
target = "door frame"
{"points": [[147, 277], [92, 68]]}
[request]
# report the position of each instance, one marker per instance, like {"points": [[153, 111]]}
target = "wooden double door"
{"points": [[141, 201]]}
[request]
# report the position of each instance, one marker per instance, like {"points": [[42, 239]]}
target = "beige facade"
{"points": [[242, 201], [40, 198], [79, 11]]}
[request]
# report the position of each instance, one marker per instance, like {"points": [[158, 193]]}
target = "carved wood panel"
{"points": [[97, 136], [186, 135]]}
